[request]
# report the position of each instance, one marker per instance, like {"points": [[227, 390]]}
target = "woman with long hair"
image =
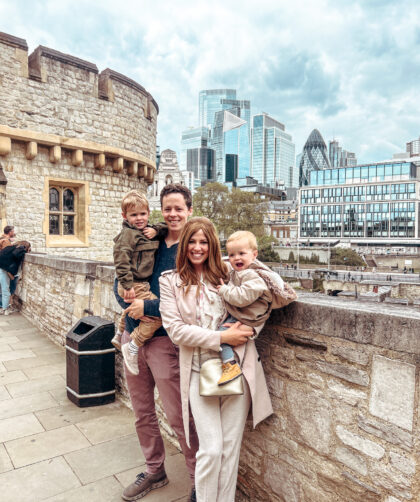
{"points": [[192, 312]]}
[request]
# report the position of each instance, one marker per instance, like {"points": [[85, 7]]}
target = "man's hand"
{"points": [[149, 232], [136, 309], [129, 295]]}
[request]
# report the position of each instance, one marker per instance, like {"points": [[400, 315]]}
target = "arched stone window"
{"points": [[168, 180], [62, 214]]}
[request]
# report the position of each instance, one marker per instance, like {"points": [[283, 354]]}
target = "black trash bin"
{"points": [[90, 359]]}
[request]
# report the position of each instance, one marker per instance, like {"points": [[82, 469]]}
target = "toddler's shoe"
{"points": [[116, 341], [231, 370], [131, 359]]}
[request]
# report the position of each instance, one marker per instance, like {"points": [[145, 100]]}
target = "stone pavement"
{"points": [[53, 451]]}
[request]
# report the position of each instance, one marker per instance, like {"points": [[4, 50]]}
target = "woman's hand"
{"points": [[136, 309], [237, 334]]}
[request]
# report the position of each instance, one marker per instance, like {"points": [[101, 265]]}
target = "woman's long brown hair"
{"points": [[213, 268]]}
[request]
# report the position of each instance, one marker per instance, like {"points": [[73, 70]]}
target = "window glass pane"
{"points": [[54, 199], [68, 200], [54, 224], [68, 224]]}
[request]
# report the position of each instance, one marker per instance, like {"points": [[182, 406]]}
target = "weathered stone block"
{"points": [[347, 394], [353, 375], [403, 464], [352, 355], [283, 481], [309, 418], [389, 432], [350, 459], [359, 443], [392, 395]]}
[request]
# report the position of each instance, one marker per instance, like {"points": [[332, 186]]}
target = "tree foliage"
{"points": [[230, 211], [346, 256], [155, 217]]}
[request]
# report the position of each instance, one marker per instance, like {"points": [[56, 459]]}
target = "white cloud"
{"points": [[349, 69]]}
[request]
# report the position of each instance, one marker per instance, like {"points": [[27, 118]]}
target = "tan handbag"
{"points": [[210, 373]]}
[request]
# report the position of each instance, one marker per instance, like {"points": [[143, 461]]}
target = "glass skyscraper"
{"points": [[272, 153], [201, 162], [314, 157], [339, 157], [210, 102], [212, 105], [193, 137]]}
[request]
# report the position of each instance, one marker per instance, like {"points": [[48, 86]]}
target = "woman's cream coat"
{"points": [[178, 313]]}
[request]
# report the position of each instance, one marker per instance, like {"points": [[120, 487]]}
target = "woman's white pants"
{"points": [[220, 423]]}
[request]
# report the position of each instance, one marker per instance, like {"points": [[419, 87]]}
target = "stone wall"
{"points": [[63, 122], [343, 377]]}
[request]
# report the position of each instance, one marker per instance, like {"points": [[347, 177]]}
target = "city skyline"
{"points": [[349, 70]]}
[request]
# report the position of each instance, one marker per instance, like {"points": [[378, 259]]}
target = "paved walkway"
{"points": [[50, 449]]}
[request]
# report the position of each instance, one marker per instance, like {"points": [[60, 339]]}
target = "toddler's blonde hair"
{"points": [[133, 199], [244, 234]]}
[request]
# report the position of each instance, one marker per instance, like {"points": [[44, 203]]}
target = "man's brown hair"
{"points": [[177, 188]]}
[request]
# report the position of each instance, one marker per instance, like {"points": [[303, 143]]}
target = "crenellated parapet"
{"points": [[73, 141], [52, 93]]}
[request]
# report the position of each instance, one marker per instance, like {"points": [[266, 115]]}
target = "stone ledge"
{"points": [[355, 321], [76, 265], [7, 39]]}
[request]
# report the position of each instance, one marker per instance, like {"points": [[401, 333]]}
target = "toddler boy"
{"points": [[134, 257], [252, 292]]}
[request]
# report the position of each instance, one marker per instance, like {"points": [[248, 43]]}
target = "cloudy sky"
{"points": [[348, 68]]}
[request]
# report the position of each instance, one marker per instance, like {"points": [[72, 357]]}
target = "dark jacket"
{"points": [[134, 253], [11, 257]]}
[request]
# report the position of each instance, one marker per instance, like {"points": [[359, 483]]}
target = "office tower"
{"points": [[413, 147], [193, 137], [201, 162], [339, 157], [210, 102], [314, 157], [272, 153], [232, 142], [212, 105]]}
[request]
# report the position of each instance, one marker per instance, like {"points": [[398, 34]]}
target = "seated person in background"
{"points": [[134, 257]]}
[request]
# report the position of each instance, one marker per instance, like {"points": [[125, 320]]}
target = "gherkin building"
{"points": [[314, 157]]}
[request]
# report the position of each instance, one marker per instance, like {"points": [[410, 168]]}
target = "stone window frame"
{"points": [[80, 238]]}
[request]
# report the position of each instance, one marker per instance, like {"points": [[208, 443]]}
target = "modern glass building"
{"points": [[339, 157], [210, 102], [314, 157], [234, 142], [193, 137], [370, 204], [272, 153], [201, 162]]}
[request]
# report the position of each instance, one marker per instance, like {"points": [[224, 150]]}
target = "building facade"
{"points": [[413, 147], [167, 173], [339, 157], [73, 141], [193, 137], [314, 157], [210, 101], [272, 153], [365, 205], [201, 162]]}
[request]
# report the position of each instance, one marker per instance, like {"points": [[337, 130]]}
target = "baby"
{"points": [[252, 292]]}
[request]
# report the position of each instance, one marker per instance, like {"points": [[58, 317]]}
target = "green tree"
{"points": [[346, 256], [265, 249], [155, 217], [230, 211]]}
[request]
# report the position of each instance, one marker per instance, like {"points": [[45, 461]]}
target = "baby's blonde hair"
{"points": [[244, 234], [133, 199]]}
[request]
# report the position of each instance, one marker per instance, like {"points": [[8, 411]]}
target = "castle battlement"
{"points": [[73, 141], [50, 92]]}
